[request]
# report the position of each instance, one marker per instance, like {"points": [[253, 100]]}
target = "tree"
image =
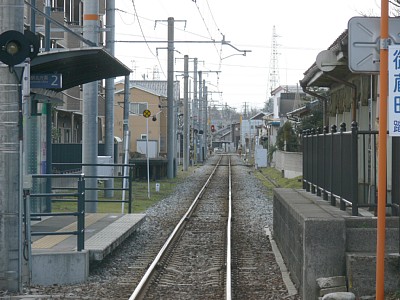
{"points": [[313, 120], [286, 139]]}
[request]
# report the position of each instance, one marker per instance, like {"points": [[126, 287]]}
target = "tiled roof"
{"points": [[156, 87]]}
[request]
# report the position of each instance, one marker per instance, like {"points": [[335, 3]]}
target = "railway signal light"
{"points": [[212, 128], [16, 46]]}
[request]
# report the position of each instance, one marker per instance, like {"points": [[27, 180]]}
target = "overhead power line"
{"points": [[144, 37]]}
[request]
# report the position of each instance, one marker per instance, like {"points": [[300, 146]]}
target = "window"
{"points": [[137, 108], [57, 5], [72, 10], [143, 136], [66, 136]]}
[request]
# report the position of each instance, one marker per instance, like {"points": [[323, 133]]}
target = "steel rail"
{"points": [[228, 287], [144, 281]]}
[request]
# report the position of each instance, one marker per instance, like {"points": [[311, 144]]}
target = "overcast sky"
{"points": [[303, 29]]}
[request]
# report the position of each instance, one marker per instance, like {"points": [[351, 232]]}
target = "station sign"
{"points": [[394, 90], [46, 81]]}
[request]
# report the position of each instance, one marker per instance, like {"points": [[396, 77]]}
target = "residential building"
{"points": [[284, 99], [248, 132], [340, 169], [150, 95], [351, 98]]}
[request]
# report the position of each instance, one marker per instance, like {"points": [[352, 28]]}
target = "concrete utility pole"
{"points": [[11, 18], [109, 93], [171, 137], [90, 138], [31, 142], [195, 111], [49, 150], [205, 124], [186, 114], [126, 137], [201, 129]]}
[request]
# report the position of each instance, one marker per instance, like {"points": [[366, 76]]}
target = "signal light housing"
{"points": [[15, 46]]}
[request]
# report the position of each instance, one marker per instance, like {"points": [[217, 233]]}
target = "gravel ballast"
{"points": [[117, 275]]}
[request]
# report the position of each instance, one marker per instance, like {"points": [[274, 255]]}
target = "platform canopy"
{"points": [[78, 66]]}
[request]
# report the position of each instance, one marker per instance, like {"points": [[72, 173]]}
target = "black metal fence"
{"points": [[59, 194], [124, 186], [340, 166], [71, 188]]}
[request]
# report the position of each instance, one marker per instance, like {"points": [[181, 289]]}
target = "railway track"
{"points": [[216, 251], [255, 273], [195, 261]]}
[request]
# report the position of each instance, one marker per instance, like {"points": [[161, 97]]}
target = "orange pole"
{"points": [[381, 230]]}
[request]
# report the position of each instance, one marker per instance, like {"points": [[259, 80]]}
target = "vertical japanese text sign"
{"points": [[394, 91]]}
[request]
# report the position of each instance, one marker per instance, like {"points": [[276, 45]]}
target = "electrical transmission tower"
{"points": [[273, 64], [156, 73]]}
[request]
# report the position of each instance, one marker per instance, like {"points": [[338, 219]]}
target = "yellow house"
{"points": [[150, 95]]}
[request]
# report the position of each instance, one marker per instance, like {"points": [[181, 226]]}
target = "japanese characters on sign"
{"points": [[394, 91], [46, 81]]}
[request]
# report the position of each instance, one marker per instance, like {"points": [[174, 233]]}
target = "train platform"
{"points": [[55, 259]]}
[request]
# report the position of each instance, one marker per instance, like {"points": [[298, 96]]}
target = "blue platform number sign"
{"points": [[46, 81], [394, 91]]}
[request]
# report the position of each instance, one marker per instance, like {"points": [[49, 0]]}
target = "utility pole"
{"points": [[90, 138], [31, 141], [125, 130], [201, 131], [49, 150], [109, 94], [205, 124], [170, 102], [11, 18], [186, 114], [195, 111]]}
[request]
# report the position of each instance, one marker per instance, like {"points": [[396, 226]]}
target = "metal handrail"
{"points": [[128, 189], [79, 213]]}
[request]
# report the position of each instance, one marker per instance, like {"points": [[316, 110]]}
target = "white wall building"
{"points": [[248, 133]]}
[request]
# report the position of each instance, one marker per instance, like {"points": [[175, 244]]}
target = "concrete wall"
{"points": [[60, 268], [319, 240], [291, 163], [311, 239], [361, 255]]}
